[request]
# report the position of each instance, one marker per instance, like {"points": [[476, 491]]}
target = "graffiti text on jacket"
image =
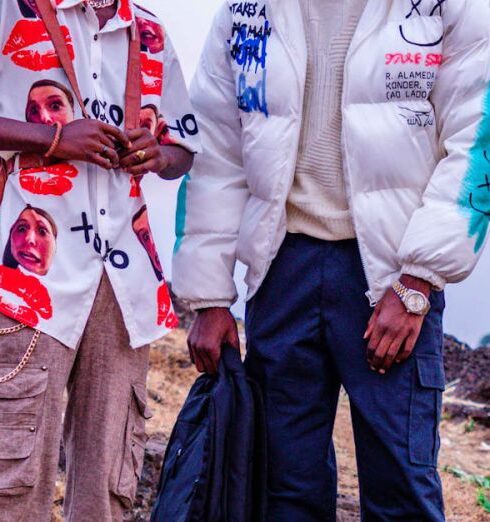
{"points": [[249, 45], [248, 9], [248, 48], [475, 194], [252, 98]]}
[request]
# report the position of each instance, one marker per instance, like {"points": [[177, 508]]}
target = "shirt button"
{"points": [[44, 368], [94, 76], [32, 429], [102, 211], [83, 9], [96, 37]]}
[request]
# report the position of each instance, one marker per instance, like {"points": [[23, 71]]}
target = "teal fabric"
{"points": [[474, 198], [181, 213]]}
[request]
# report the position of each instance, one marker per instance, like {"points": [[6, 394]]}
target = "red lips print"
{"points": [[31, 291], [165, 313], [151, 76], [49, 181], [124, 11], [27, 33]]}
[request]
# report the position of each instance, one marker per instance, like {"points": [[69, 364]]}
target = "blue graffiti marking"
{"points": [[252, 98], [249, 46]]}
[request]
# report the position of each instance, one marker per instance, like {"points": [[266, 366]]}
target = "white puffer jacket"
{"points": [[416, 138]]}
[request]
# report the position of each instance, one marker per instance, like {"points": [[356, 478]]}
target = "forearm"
{"points": [[415, 283], [25, 137], [180, 161]]}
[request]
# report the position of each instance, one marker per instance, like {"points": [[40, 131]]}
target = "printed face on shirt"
{"points": [[33, 241], [29, 8], [141, 228], [164, 137], [149, 119], [49, 102], [151, 35]]}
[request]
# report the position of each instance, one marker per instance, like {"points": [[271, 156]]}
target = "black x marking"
{"points": [[437, 6], [415, 8], [486, 184]]}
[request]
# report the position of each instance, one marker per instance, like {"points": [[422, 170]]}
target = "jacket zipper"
{"points": [[348, 184]]}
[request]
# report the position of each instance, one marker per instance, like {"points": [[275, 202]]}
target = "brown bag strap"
{"points": [[133, 87], [133, 83]]}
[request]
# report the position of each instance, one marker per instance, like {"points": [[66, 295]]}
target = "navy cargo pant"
{"points": [[305, 329]]}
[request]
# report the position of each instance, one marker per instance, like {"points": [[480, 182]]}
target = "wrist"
{"points": [[412, 295], [165, 160], [416, 283], [211, 309], [177, 161], [43, 139], [56, 140]]}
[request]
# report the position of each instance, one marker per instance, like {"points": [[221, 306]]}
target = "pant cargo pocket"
{"points": [[21, 407], [425, 409], [128, 468]]}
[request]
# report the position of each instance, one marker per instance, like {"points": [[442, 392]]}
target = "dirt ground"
{"points": [[465, 446]]}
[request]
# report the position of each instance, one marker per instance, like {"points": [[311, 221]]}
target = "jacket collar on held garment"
{"points": [[124, 16]]}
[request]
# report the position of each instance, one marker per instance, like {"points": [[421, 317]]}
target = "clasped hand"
{"points": [[136, 151]]}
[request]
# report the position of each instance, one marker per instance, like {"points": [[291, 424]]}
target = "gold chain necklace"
{"points": [[100, 4]]}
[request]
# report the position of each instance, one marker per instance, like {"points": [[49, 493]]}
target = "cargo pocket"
{"points": [[21, 407], [425, 409], [133, 451]]}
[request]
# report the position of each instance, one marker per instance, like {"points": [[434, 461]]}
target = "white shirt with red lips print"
{"points": [[62, 225]]}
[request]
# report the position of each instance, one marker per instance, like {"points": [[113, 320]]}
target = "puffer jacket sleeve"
{"points": [[212, 198], [447, 233]]}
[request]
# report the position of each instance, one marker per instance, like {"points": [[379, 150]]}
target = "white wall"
{"points": [[468, 304]]}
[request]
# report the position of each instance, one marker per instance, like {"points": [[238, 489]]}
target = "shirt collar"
{"points": [[124, 16]]}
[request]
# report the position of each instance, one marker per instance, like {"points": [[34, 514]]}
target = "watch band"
{"points": [[405, 294], [400, 290]]}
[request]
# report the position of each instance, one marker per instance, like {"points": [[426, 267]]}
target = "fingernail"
{"points": [[382, 372], [398, 361], [373, 368], [365, 335]]}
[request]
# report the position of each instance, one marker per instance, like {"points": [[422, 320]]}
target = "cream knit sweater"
{"points": [[317, 204]]}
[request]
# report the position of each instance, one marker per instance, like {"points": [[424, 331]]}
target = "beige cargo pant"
{"points": [[104, 435]]}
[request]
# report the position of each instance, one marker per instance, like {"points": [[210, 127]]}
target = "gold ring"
{"points": [[140, 154]]}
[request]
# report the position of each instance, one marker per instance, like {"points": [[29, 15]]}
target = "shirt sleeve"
{"points": [[180, 121]]}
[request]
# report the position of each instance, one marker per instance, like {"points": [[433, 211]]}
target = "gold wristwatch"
{"points": [[415, 302]]}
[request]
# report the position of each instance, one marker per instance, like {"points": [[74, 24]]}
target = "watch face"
{"points": [[416, 303]]}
